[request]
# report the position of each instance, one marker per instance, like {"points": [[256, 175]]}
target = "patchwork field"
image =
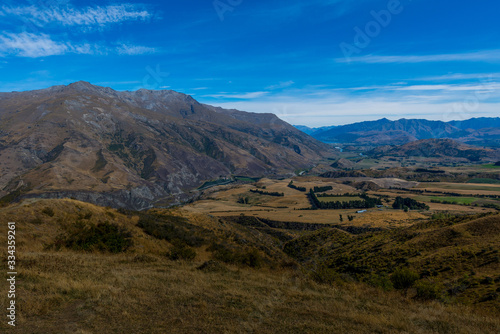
{"points": [[223, 201]]}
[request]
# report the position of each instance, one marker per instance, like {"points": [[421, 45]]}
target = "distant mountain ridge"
{"points": [[437, 148], [475, 131], [134, 149]]}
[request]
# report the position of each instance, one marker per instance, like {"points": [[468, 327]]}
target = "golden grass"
{"points": [[69, 292], [141, 291]]}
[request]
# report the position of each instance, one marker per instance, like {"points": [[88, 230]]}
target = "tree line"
{"points": [[365, 203]]}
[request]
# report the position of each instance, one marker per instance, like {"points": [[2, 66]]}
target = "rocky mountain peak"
{"points": [[132, 149]]}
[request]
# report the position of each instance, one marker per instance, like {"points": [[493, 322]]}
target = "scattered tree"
{"points": [[403, 279]]}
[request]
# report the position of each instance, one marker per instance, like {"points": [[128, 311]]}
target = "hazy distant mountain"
{"points": [[310, 131], [134, 148], [437, 148], [477, 123], [476, 131]]}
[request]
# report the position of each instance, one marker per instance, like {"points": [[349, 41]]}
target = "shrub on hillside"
{"points": [[427, 290], [48, 211], [325, 275], [228, 254], [243, 200], [381, 281], [103, 237], [172, 228], [181, 252], [403, 279]]}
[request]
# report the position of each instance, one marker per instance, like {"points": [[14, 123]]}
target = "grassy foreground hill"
{"points": [[89, 269]]}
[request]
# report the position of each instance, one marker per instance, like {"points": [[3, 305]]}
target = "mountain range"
{"points": [[135, 149], [437, 148], [475, 131]]}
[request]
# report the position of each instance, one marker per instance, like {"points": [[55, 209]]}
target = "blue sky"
{"points": [[313, 62]]}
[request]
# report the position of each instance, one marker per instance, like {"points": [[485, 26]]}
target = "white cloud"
{"points": [[283, 84], [35, 46], [134, 50], [319, 106], [478, 88], [42, 45], [461, 76], [70, 16], [479, 56], [242, 96], [330, 112]]}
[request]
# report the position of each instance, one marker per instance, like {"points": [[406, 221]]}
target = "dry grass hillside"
{"points": [[172, 271]]}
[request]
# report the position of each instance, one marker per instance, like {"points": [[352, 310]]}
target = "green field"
{"points": [[484, 180], [490, 166], [457, 200], [456, 186]]}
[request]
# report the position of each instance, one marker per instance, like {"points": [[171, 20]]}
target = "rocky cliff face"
{"points": [[135, 148]]}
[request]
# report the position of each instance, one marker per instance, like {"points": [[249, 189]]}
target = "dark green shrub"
{"points": [[103, 237], [85, 215], [251, 258], [48, 211], [325, 275], [380, 281], [230, 254], [181, 252], [403, 279], [173, 228], [243, 200], [427, 290]]}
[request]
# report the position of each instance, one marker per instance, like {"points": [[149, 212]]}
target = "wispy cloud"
{"points": [[70, 16], [320, 105], [243, 96], [134, 50], [281, 85], [35, 46], [452, 88], [460, 76], [333, 111], [30, 45], [479, 56]]}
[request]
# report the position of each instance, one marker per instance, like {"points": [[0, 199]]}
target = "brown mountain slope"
{"points": [[134, 148]]}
